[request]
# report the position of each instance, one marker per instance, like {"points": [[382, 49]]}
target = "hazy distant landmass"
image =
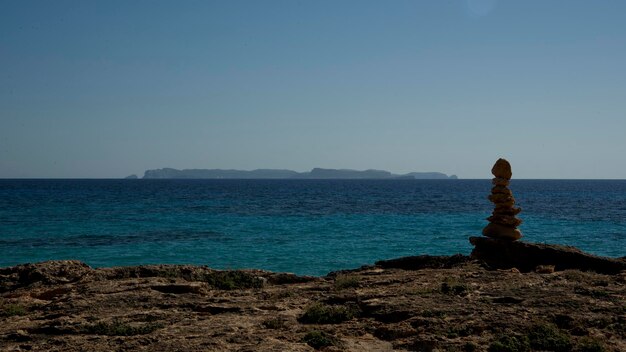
{"points": [[317, 173]]}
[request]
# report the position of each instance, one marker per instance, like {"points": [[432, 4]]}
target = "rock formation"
{"points": [[527, 257], [502, 222], [408, 304]]}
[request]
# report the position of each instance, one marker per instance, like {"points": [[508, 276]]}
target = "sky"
{"points": [[105, 89]]}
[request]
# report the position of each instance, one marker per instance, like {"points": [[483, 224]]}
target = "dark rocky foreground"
{"points": [[417, 304], [525, 256]]}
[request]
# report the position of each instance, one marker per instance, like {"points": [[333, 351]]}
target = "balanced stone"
{"points": [[498, 181], [508, 220], [502, 169], [507, 210], [502, 232], [504, 203], [502, 222], [501, 189], [500, 198]]}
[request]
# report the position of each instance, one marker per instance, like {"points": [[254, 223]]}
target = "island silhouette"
{"points": [[316, 173]]}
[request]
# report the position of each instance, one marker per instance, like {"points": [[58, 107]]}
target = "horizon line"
{"points": [[299, 179]]}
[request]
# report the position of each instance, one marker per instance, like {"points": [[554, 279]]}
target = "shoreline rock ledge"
{"points": [[526, 257], [500, 249]]}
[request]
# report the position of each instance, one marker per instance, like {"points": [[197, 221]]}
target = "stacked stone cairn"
{"points": [[502, 222]]}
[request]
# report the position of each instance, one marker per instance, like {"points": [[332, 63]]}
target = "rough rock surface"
{"points": [[415, 304], [527, 256], [502, 169]]}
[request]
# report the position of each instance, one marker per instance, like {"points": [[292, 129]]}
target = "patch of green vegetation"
{"points": [[286, 293], [274, 323], [601, 282], [594, 293], [463, 330], [564, 321], [599, 322], [343, 282], [119, 328], [577, 276], [11, 310], [318, 339], [319, 313], [510, 343], [233, 280], [170, 273], [470, 347], [549, 338], [428, 313], [421, 291], [619, 326], [454, 289], [588, 344]]}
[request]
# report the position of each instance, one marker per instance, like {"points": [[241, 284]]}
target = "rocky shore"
{"points": [[507, 296], [424, 303]]}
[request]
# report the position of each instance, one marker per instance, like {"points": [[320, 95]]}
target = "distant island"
{"points": [[316, 173]]}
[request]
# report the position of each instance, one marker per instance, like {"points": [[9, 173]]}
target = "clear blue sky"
{"points": [[111, 88]]}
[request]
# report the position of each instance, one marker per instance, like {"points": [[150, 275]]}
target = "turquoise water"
{"points": [[301, 226]]}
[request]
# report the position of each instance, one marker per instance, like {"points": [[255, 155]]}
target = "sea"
{"points": [[308, 227]]}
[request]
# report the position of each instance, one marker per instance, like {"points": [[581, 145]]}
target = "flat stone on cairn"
{"points": [[502, 222]]}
